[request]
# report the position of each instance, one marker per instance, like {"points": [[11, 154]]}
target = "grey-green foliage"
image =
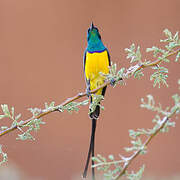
{"points": [[3, 156], [96, 102], [172, 43], [137, 144], [26, 129], [151, 105], [114, 74], [33, 125], [159, 76], [135, 175], [9, 114], [111, 167], [73, 106], [133, 53]]}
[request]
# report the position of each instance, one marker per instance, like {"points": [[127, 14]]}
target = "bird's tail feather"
{"points": [[91, 149]]}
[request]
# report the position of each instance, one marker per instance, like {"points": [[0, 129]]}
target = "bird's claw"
{"points": [[112, 82], [88, 92]]}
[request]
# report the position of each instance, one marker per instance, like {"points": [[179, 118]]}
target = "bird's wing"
{"points": [[84, 64], [109, 58]]}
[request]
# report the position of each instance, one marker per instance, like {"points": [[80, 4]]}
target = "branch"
{"points": [[139, 66], [56, 108], [130, 70], [149, 139]]}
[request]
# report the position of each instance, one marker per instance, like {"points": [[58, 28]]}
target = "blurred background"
{"points": [[41, 58]]}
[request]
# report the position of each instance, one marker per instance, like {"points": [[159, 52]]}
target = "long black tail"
{"points": [[91, 150]]}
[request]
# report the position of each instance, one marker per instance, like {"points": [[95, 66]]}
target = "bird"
{"points": [[96, 61]]}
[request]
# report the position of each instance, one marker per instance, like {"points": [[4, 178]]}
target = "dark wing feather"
{"points": [[84, 63], [109, 57]]}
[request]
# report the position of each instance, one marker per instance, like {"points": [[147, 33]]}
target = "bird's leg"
{"points": [[112, 82], [88, 91]]}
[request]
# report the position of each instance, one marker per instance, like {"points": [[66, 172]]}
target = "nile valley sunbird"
{"points": [[96, 60]]}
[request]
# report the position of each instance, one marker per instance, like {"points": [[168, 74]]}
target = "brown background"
{"points": [[41, 52]]}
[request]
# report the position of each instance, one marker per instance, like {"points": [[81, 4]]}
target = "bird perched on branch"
{"points": [[96, 60]]}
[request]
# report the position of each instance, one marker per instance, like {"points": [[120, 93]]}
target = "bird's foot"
{"points": [[112, 82], [88, 92]]}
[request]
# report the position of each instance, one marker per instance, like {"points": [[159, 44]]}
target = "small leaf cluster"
{"points": [[159, 76], [137, 175], [109, 166], [33, 125], [136, 145], [95, 102], [9, 113], [114, 75], [167, 112], [25, 129], [3, 156], [73, 106], [150, 105], [134, 54], [172, 43]]}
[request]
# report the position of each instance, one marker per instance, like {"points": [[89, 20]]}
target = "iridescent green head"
{"points": [[94, 40]]}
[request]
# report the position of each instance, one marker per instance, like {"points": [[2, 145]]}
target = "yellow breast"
{"points": [[96, 63]]}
